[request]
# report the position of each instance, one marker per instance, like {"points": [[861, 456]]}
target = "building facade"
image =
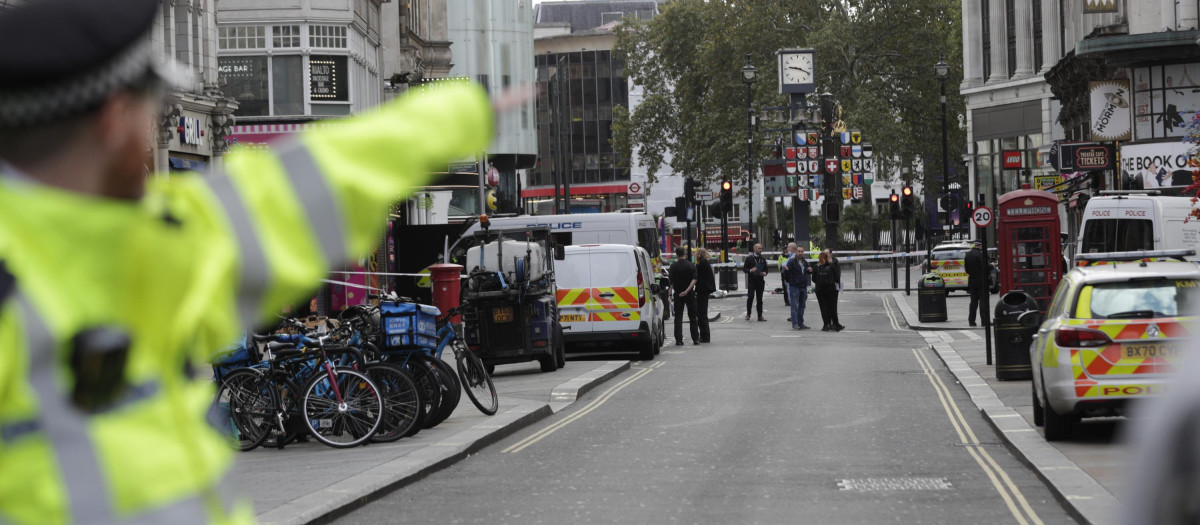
{"points": [[291, 64], [416, 44], [492, 44], [580, 83], [1031, 68]]}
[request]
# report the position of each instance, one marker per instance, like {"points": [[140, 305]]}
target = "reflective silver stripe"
{"points": [[63, 425], [13, 431], [255, 273], [66, 428], [317, 200]]}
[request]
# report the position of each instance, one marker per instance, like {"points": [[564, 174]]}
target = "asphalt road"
{"points": [[765, 425]]}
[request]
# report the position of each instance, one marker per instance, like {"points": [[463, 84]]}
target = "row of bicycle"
{"points": [[375, 376]]}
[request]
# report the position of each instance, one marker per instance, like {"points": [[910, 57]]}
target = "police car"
{"points": [[1110, 335], [949, 263]]}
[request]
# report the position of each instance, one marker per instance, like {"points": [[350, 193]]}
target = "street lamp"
{"points": [[942, 69], [748, 73]]}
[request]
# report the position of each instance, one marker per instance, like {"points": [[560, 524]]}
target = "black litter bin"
{"points": [[729, 281], [1012, 340], [931, 299]]}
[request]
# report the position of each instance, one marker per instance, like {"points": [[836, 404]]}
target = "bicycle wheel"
{"points": [[425, 376], [348, 423], [289, 406], [244, 408], [401, 402], [475, 380], [448, 386]]}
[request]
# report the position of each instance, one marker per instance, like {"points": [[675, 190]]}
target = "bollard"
{"points": [[446, 287], [858, 275]]}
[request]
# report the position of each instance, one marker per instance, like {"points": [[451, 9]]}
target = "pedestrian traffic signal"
{"points": [[907, 206], [727, 195], [833, 212], [689, 190], [894, 206], [681, 206]]}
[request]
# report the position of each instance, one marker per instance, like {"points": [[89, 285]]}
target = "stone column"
{"points": [[999, 43], [1024, 23], [972, 44], [1187, 15], [1051, 45]]}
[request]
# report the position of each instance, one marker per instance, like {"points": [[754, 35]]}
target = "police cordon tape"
{"points": [[857, 258]]}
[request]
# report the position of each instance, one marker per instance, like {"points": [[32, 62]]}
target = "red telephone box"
{"points": [[1029, 248]]}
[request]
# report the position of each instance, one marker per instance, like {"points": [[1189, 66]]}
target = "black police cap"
{"points": [[62, 57]]}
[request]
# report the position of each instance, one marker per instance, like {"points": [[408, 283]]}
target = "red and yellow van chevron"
{"points": [[1165, 338], [603, 304]]}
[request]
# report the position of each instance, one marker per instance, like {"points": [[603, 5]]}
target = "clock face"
{"points": [[796, 74]]}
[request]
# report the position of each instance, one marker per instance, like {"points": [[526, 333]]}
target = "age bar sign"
{"points": [[327, 79]]}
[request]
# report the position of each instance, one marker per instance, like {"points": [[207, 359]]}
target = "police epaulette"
{"points": [[8, 282]]}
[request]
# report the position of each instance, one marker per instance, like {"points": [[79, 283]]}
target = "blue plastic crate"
{"points": [[409, 325]]}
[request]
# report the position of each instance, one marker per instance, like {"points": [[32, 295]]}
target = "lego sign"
{"points": [[1012, 160]]}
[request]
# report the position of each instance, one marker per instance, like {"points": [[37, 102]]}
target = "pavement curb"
{"points": [[1080, 494], [337, 500], [914, 321]]}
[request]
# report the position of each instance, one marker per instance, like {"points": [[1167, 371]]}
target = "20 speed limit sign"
{"points": [[982, 216]]}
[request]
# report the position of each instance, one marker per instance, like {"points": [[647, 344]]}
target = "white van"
{"points": [[606, 294], [1125, 223], [635, 229]]}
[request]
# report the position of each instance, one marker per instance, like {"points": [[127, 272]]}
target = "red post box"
{"points": [[446, 287], [1029, 248]]}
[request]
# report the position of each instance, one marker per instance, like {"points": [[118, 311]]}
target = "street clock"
{"points": [[796, 73]]}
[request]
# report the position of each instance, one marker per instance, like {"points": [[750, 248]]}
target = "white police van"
{"points": [[1137, 222], [635, 229]]}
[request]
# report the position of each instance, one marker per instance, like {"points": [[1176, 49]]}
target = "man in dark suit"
{"points": [[977, 283], [683, 280], [756, 280]]}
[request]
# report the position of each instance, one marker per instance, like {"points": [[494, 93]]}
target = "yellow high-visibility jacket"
{"points": [[183, 273]]}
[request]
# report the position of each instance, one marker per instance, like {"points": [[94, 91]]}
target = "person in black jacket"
{"points": [[756, 280], [705, 286], [683, 281], [827, 279], [799, 278], [977, 277]]}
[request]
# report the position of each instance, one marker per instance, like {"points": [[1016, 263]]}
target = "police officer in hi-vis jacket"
{"points": [[117, 287]]}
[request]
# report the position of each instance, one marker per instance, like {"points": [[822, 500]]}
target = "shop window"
{"points": [[246, 81], [327, 36], [1165, 100], [285, 36], [287, 90]]}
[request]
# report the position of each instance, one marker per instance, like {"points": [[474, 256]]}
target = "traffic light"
{"points": [[833, 212], [681, 206], [906, 203], [894, 206], [727, 195], [689, 190]]}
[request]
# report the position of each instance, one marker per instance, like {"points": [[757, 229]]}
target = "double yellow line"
{"points": [[1004, 485], [587, 409]]}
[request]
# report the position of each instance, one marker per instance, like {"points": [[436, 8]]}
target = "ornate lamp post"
{"points": [[748, 73]]}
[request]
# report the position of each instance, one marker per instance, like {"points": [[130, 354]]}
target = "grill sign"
{"points": [[1012, 159]]}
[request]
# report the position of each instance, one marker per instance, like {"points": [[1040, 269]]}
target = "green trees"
{"points": [[875, 56]]}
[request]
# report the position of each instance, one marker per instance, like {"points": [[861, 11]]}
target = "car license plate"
{"points": [[572, 318], [502, 314], [1145, 351]]}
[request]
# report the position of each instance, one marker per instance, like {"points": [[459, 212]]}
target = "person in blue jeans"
{"points": [[799, 279]]}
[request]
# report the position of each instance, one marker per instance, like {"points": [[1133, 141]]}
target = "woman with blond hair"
{"points": [[827, 278], [705, 286]]}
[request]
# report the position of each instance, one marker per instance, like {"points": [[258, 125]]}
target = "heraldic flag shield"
{"points": [[789, 153], [856, 179], [800, 137], [846, 164], [845, 179], [814, 166], [868, 150], [814, 152], [844, 136], [869, 178], [856, 165], [791, 166], [813, 138], [845, 151], [831, 165], [856, 137], [801, 153], [856, 150]]}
